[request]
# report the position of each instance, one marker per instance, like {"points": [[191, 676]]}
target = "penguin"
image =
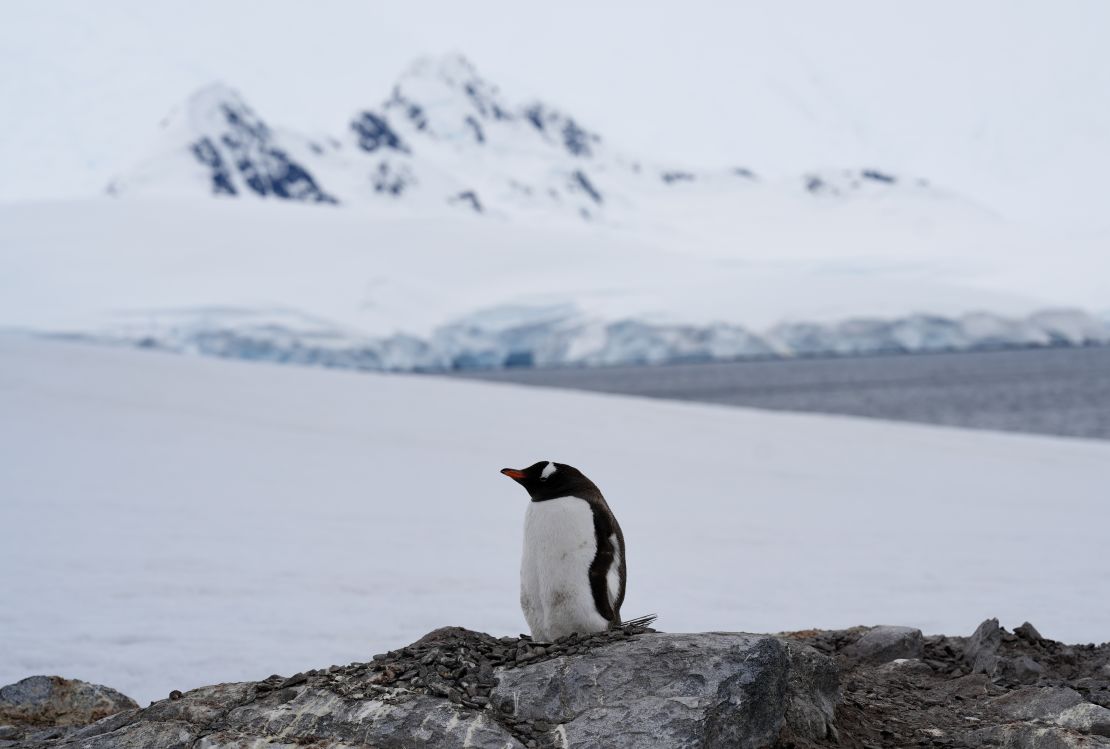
{"points": [[573, 567]]}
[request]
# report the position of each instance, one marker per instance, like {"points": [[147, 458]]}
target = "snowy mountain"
{"points": [[217, 143], [444, 137]]}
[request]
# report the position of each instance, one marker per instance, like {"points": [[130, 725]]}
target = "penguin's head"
{"points": [[550, 480]]}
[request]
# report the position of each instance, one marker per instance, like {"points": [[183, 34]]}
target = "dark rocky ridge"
{"points": [[995, 688], [862, 687]]}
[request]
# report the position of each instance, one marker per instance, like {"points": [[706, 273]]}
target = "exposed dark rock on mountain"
{"points": [[862, 687], [470, 198], [240, 151], [374, 132]]}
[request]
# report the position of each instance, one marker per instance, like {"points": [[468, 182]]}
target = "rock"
{"points": [[905, 665], [54, 701], [1021, 670], [1060, 706], [1039, 703], [707, 690], [884, 643], [1052, 717], [981, 651], [1028, 632], [936, 701], [970, 686], [1031, 736], [635, 688], [812, 689]]}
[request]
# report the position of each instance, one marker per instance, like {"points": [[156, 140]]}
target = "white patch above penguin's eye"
{"points": [[547, 471]]}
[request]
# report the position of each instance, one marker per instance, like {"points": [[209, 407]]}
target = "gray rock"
{"points": [[812, 689], [638, 690], [981, 650], [1056, 705], [703, 690], [885, 643], [1037, 702], [1023, 669], [904, 666], [982, 654], [54, 701], [1028, 736], [1028, 632], [237, 715]]}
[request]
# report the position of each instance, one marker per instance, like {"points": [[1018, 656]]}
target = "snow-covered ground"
{"points": [[172, 521]]}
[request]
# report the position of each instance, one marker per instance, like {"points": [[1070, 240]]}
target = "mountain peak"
{"points": [[450, 66], [231, 148], [446, 97], [217, 109]]}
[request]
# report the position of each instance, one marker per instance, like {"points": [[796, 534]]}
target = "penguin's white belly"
{"points": [[559, 546]]}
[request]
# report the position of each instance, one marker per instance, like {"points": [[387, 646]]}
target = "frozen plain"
{"points": [[172, 521]]}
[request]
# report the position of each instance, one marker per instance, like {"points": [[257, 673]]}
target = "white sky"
{"points": [[1006, 101]]}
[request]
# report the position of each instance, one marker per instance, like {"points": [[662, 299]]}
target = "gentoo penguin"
{"points": [[573, 571]]}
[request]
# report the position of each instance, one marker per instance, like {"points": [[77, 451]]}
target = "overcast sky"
{"points": [[1005, 101]]}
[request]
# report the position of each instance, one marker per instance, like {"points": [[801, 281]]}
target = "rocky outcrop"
{"points": [[862, 687], [992, 689], [54, 701], [453, 688]]}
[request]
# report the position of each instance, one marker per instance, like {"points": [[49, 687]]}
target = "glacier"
{"points": [[561, 335]]}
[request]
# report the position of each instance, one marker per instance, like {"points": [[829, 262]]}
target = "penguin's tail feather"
{"points": [[639, 621]]}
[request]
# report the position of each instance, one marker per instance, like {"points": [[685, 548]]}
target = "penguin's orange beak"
{"points": [[513, 473]]}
